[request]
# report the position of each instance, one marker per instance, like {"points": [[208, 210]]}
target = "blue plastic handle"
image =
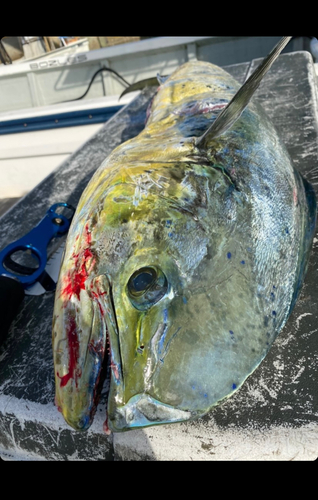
{"points": [[36, 241]]}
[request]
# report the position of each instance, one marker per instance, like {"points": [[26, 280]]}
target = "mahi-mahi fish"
{"points": [[184, 258]]}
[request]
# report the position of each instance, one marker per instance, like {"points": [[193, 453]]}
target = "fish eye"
{"points": [[146, 286]]}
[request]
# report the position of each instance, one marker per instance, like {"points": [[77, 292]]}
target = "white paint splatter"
{"points": [[270, 391], [300, 371], [301, 317]]}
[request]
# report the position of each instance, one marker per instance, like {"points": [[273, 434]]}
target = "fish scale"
{"points": [[206, 204]]}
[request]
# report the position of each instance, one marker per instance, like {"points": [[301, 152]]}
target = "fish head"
{"points": [[152, 287]]}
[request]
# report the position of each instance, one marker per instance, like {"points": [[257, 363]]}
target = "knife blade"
{"points": [[52, 269]]}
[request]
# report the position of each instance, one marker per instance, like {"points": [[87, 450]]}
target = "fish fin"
{"points": [[238, 103], [141, 84], [161, 79], [309, 232]]}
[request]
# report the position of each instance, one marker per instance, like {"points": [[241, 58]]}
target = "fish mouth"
{"points": [[86, 352], [100, 291], [143, 410]]}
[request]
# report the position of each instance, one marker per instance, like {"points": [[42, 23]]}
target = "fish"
{"points": [[184, 259]]}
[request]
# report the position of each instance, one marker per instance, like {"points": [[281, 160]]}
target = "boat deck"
{"points": [[6, 203]]}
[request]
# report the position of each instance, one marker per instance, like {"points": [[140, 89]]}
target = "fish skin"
{"points": [[229, 225]]}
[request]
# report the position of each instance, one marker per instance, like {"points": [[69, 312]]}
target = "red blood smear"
{"points": [[97, 347], [57, 405], [199, 108], [96, 296], [114, 370], [106, 429], [73, 351], [74, 282]]}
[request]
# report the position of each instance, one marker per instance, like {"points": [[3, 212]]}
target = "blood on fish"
{"points": [[97, 347], [73, 348], [199, 108], [96, 296], [114, 370], [57, 405], [106, 429], [74, 281]]}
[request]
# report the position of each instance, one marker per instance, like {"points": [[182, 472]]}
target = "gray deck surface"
{"points": [[6, 203]]}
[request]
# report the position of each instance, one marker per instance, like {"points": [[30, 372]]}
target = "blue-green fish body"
{"points": [[183, 261]]}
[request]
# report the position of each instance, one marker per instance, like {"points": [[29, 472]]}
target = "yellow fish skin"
{"points": [[183, 260]]}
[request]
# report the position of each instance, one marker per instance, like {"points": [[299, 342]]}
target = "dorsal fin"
{"points": [[161, 79], [141, 84], [238, 103]]}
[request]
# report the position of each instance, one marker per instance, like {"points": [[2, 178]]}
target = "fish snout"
{"points": [[81, 423], [80, 351]]}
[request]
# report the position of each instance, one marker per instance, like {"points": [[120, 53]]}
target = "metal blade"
{"points": [[52, 270]]}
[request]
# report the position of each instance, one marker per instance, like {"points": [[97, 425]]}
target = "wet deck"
{"points": [[6, 203]]}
